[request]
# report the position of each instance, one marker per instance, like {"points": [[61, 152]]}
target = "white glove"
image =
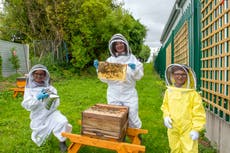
{"points": [[194, 135], [168, 122]]}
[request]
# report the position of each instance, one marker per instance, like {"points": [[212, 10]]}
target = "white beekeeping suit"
{"points": [[43, 120], [124, 92]]}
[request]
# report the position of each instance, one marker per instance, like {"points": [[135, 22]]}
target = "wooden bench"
{"points": [[20, 83], [121, 147]]}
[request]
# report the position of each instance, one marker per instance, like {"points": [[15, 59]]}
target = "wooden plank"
{"points": [[101, 115], [217, 106], [106, 124], [117, 133], [215, 93], [117, 146], [101, 134], [115, 107], [215, 81], [74, 147], [215, 32], [132, 133]]}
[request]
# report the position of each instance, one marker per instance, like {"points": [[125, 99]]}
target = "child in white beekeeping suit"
{"points": [[41, 99], [124, 92], [183, 112]]}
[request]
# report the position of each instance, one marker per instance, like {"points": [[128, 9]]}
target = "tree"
{"points": [[145, 53], [84, 25]]}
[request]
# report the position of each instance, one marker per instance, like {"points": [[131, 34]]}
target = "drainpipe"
{"points": [[180, 9]]}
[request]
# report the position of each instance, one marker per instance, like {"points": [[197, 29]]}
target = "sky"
{"points": [[153, 14], [1, 6]]}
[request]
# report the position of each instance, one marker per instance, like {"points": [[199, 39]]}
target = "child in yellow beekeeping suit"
{"points": [[183, 112]]}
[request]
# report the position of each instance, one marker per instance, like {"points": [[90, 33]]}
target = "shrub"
{"points": [[14, 59]]}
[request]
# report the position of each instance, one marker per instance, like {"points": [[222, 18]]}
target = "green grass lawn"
{"points": [[78, 93]]}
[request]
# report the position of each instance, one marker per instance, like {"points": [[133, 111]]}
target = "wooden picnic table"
{"points": [[78, 140]]}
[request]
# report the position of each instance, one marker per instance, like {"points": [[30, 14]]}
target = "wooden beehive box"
{"points": [[105, 122], [112, 71], [21, 82]]}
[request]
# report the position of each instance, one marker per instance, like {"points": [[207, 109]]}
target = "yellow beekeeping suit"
{"points": [[184, 107]]}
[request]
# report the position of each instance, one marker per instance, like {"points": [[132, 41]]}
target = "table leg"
{"points": [[74, 147]]}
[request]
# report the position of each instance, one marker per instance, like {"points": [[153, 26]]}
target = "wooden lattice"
{"points": [[181, 45], [168, 55], [215, 21]]}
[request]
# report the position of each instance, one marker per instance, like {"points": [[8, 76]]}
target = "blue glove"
{"points": [[42, 95], [95, 63], [132, 66]]}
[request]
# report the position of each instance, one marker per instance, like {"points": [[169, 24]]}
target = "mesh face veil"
{"points": [[118, 38], [191, 77], [35, 68]]}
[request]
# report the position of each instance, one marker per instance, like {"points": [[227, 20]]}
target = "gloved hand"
{"points": [[42, 95], [194, 135], [95, 63], [168, 122], [132, 66]]}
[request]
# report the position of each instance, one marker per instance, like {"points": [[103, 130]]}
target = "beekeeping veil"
{"points": [[118, 38], [191, 77], [30, 81]]}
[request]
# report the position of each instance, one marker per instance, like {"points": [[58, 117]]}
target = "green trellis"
{"points": [[215, 59]]}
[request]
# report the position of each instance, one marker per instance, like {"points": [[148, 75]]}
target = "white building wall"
{"points": [[153, 53], [217, 131]]}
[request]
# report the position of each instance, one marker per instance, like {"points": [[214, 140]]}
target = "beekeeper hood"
{"points": [[30, 81], [118, 38], [191, 77]]}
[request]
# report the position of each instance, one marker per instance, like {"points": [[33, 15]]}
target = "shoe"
{"points": [[124, 138], [63, 146]]}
